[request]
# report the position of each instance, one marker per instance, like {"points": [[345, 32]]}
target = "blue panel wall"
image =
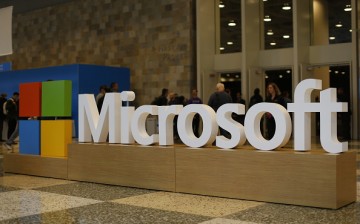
{"points": [[29, 143], [85, 79]]}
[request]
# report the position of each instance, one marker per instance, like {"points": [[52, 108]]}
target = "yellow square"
{"points": [[55, 137]]}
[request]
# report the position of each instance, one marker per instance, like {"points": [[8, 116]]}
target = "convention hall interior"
{"points": [[186, 45]]}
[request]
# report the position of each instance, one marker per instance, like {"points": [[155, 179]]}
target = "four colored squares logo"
{"points": [[48, 131]]}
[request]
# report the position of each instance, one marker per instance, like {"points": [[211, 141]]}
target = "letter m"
{"points": [[91, 124]]}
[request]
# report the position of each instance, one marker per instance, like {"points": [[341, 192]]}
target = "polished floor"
{"points": [[29, 199]]}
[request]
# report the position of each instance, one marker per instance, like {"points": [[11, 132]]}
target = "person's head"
{"points": [[164, 92], [220, 87], [285, 93], [273, 89], [114, 86], [256, 91], [238, 95], [102, 89], [3, 95], [172, 95], [15, 96], [194, 93]]}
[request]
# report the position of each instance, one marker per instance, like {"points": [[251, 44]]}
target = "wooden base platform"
{"points": [[313, 178], [36, 165]]}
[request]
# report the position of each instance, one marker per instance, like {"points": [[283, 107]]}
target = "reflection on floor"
{"points": [[28, 199]]}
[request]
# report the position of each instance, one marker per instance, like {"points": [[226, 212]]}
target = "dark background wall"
{"points": [[153, 38]]}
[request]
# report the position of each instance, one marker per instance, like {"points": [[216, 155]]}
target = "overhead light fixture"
{"points": [[228, 75], [343, 73], [272, 43], [264, 0], [267, 18], [221, 5], [286, 36], [280, 76], [266, 77], [288, 71], [329, 70], [347, 8], [339, 24], [222, 48], [232, 23], [350, 30], [286, 6], [237, 76], [336, 72], [270, 32], [230, 43], [331, 38]]}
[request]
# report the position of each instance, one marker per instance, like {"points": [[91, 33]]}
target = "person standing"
{"points": [[12, 115], [256, 98], [194, 99], [217, 99], [2, 115], [240, 117], [273, 96]]}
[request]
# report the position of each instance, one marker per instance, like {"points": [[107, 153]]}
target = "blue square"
{"points": [[29, 133]]}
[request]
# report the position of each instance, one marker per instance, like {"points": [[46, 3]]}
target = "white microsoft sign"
{"points": [[126, 125]]}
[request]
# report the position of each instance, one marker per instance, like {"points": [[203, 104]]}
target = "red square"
{"points": [[30, 99]]}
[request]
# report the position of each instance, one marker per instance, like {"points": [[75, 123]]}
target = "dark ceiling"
{"points": [[21, 6]]}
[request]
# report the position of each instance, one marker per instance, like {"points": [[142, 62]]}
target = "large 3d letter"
{"points": [[126, 116], [282, 122], [328, 121], [166, 127], [138, 125], [302, 107], [184, 125], [98, 126], [226, 122]]}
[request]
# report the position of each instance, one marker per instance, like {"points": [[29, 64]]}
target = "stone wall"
{"points": [[152, 38]]}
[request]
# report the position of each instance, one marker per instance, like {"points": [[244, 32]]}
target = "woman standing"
{"points": [[273, 96]]}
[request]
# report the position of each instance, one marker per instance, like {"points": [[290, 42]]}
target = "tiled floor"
{"points": [[28, 199]]}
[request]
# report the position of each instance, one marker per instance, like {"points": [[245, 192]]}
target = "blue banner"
{"points": [[6, 66]]}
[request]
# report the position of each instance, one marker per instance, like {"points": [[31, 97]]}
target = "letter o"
{"points": [[184, 125], [282, 122]]}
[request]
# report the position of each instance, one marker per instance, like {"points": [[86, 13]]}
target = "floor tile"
{"points": [[226, 221], [95, 191], [29, 202], [29, 182], [7, 189], [191, 204], [110, 213], [279, 214]]}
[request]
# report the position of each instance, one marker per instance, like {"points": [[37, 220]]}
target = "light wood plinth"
{"points": [[134, 165], [36, 165], [312, 178]]}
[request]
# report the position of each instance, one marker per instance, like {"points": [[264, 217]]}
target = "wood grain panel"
{"points": [[134, 166], [36, 165], [310, 178]]}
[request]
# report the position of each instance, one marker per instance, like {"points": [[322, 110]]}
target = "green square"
{"points": [[56, 99]]}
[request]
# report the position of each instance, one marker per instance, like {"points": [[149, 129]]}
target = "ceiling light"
{"points": [[350, 30], [237, 76], [270, 32], [280, 76], [221, 5], [232, 23], [347, 8], [343, 73], [223, 80], [272, 43], [332, 38], [230, 43], [266, 77], [286, 36], [264, 0], [339, 24], [286, 6], [228, 75], [222, 48], [336, 72], [267, 18], [329, 70], [288, 71]]}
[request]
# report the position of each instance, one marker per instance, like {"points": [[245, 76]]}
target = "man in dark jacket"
{"points": [[2, 115], [217, 99], [12, 112]]}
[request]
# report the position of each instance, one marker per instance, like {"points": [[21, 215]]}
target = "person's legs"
{"points": [[11, 127], [12, 138]]}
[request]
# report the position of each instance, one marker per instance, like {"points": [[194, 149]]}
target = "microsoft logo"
{"points": [[45, 125]]}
